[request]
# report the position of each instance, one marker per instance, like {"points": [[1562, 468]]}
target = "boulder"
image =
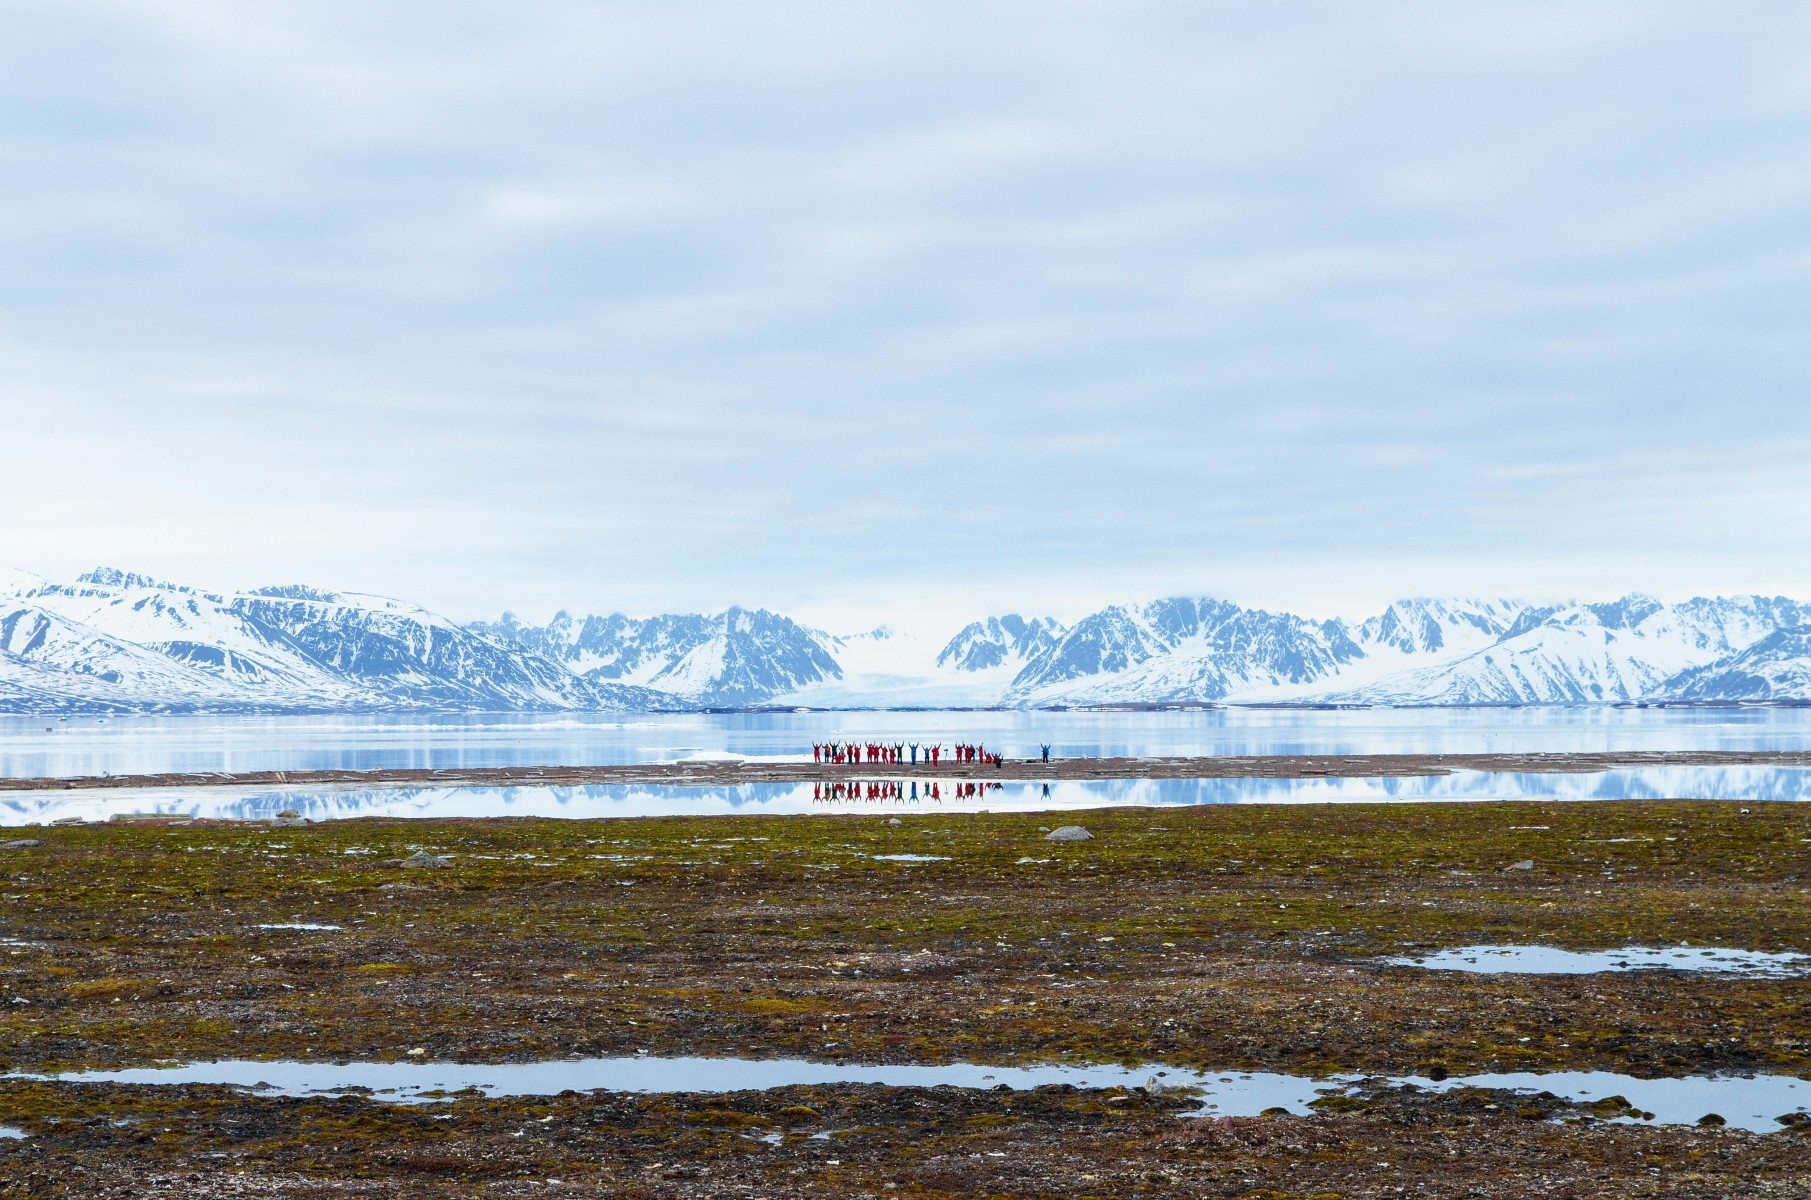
{"points": [[1069, 833], [20, 844], [421, 858]]}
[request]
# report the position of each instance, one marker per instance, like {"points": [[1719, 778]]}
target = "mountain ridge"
{"points": [[119, 641]]}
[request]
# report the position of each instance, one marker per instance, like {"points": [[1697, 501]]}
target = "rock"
{"points": [[421, 858], [418, 1052], [894, 821], [289, 814], [288, 822], [69, 821], [1795, 1120], [1712, 1121], [1069, 833], [1527, 864], [20, 844]]}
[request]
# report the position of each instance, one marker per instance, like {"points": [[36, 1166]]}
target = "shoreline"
{"points": [[722, 773]]}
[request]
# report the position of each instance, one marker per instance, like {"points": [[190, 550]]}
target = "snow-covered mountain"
{"points": [[999, 641], [1174, 650], [738, 657], [1777, 667], [113, 641], [1628, 649]]}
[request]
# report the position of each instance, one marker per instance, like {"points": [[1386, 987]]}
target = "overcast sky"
{"points": [[909, 311]]}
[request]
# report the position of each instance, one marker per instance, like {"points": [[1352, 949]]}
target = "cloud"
{"points": [[944, 307]]}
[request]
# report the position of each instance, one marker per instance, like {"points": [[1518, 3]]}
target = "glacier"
{"points": [[115, 641]]}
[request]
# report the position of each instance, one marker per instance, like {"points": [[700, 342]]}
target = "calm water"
{"points": [[42, 746], [1749, 1103], [647, 800], [1551, 960]]}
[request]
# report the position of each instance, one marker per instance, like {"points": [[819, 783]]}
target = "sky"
{"points": [[908, 311]]}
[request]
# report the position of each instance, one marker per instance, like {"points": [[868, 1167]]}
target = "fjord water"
{"points": [[38, 746]]}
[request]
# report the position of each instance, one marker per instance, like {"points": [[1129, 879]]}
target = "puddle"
{"points": [[1749, 1103], [649, 800], [1549, 960], [7, 1131]]}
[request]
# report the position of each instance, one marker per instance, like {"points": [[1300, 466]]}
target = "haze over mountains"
{"points": [[111, 641]]}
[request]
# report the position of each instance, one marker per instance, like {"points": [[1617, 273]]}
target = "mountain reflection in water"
{"points": [[643, 800]]}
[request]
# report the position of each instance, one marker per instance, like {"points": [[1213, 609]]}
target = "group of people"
{"points": [[853, 753], [892, 789], [900, 753], [867, 752], [970, 754]]}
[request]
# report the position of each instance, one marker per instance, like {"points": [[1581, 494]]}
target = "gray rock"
{"points": [[20, 844], [288, 822], [895, 821], [1527, 864], [1069, 833], [421, 858], [289, 814]]}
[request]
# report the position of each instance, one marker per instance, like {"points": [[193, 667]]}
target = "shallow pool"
{"points": [[1549, 960], [1750, 1103]]}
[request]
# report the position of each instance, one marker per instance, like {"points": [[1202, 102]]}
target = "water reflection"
{"points": [[1550, 960], [644, 800], [47, 746]]}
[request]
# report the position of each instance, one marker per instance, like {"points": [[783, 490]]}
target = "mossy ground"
{"points": [[1218, 936], [1212, 936]]}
